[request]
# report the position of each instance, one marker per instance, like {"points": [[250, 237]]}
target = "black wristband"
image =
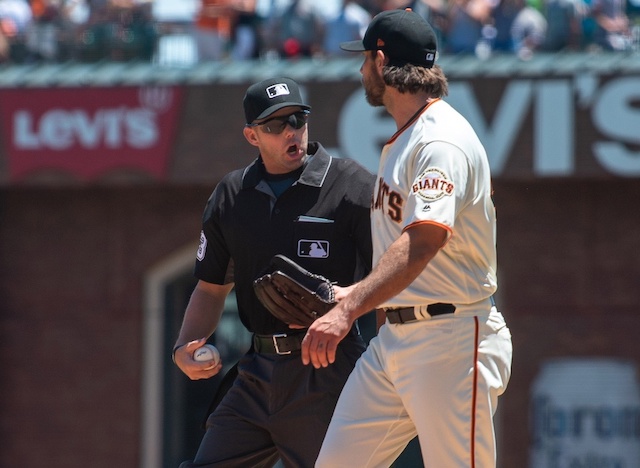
{"points": [[173, 353]]}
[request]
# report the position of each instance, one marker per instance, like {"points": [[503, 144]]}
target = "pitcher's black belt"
{"points": [[280, 343], [408, 314]]}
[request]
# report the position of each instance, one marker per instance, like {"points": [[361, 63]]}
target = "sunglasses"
{"points": [[277, 125]]}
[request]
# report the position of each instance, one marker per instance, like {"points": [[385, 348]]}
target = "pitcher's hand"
{"points": [[321, 341]]}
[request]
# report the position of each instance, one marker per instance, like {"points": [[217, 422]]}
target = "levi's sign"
{"points": [[89, 132], [580, 125]]}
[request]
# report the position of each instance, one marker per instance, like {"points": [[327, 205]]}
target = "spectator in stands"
{"points": [[633, 11], [76, 11], [465, 22], [612, 30], [49, 36], [297, 32], [435, 12], [5, 47], [15, 19], [528, 31], [349, 25], [564, 24], [393, 4], [244, 30], [16, 15], [91, 41], [133, 35], [213, 29], [503, 15], [117, 30]]}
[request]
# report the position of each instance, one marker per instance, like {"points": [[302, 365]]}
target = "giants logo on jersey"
{"points": [[432, 185]]}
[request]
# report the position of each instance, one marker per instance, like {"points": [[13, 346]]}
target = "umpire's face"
{"points": [[282, 139]]}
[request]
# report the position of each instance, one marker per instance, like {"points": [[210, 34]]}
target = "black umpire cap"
{"points": [[403, 35], [264, 98]]}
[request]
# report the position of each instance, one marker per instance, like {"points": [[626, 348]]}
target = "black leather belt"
{"points": [[281, 343], [408, 314]]}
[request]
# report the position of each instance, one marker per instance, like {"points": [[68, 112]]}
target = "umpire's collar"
{"points": [[314, 174]]}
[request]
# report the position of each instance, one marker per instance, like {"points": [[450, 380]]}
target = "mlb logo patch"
{"points": [[313, 248], [202, 248], [280, 89]]}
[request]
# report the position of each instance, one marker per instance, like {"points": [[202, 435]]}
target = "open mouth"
{"points": [[293, 150]]}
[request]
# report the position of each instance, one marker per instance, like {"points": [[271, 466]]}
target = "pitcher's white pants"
{"points": [[438, 378]]}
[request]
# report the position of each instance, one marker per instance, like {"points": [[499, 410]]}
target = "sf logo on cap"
{"points": [[276, 90]]}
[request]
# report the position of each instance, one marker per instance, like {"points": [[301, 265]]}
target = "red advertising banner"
{"points": [[89, 132]]}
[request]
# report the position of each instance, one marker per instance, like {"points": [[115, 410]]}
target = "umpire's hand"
{"points": [[195, 370]]}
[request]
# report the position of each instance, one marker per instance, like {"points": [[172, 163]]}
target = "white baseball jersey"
{"points": [[439, 379], [435, 170]]}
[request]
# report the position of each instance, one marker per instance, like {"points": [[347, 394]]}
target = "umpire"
{"points": [[297, 200]]}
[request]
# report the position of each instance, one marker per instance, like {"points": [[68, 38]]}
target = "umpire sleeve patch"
{"points": [[202, 248]]}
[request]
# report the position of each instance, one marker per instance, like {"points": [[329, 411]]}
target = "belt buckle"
{"points": [[275, 343]]}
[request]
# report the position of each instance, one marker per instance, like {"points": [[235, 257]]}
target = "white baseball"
{"points": [[207, 352]]}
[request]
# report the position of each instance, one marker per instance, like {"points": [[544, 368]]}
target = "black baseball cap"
{"points": [[403, 35], [264, 98]]}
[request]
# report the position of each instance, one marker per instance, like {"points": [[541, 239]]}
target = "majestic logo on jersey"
{"points": [[432, 185], [313, 248], [202, 248]]}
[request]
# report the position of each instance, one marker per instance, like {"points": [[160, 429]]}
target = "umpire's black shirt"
{"points": [[322, 222]]}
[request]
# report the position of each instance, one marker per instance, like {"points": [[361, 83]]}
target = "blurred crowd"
{"points": [[82, 30], [124, 30]]}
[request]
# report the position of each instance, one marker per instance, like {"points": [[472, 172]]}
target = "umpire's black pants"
{"points": [[277, 408]]}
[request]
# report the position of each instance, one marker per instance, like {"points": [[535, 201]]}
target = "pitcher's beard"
{"points": [[374, 91]]}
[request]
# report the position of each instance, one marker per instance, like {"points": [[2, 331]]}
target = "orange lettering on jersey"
{"points": [[383, 189], [388, 200], [395, 206]]}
